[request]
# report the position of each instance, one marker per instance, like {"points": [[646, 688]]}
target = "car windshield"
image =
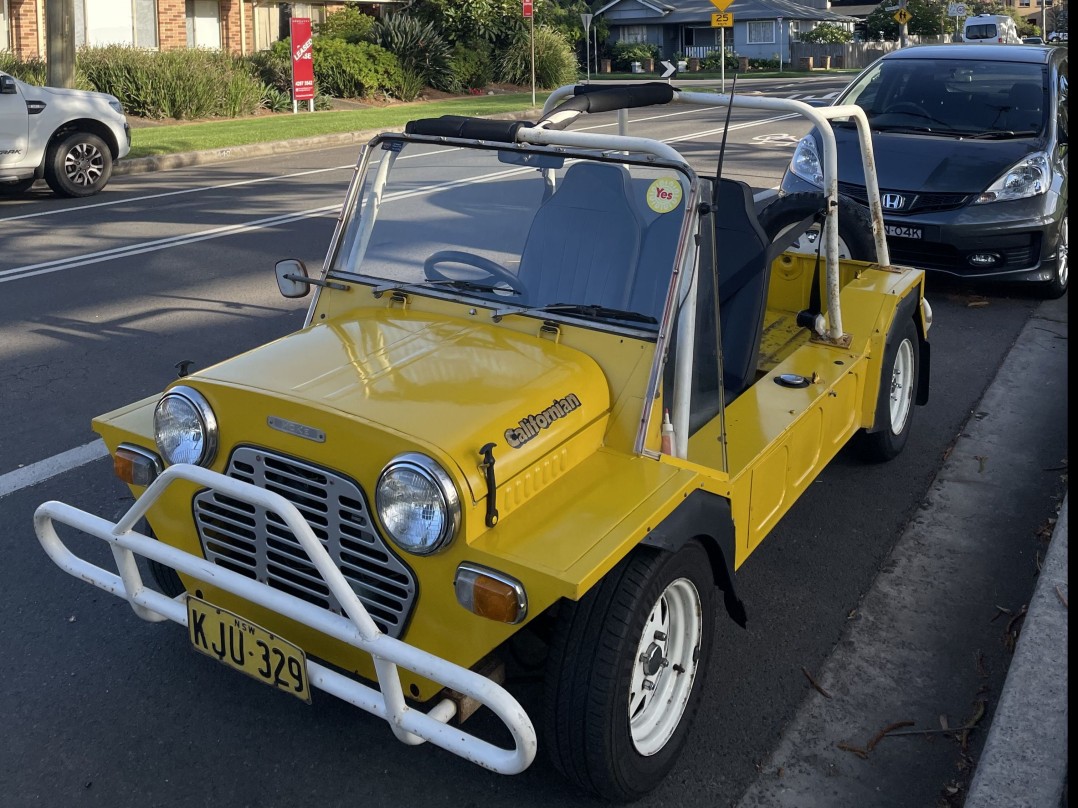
{"points": [[951, 97], [523, 230]]}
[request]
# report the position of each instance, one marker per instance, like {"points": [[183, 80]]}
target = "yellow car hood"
{"points": [[443, 382]]}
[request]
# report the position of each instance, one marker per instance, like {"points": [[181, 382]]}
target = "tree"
{"points": [[927, 20], [827, 33]]}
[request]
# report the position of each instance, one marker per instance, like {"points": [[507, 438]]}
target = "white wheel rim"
{"points": [[901, 386], [664, 667], [807, 242]]}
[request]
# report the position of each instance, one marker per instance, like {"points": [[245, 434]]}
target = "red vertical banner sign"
{"points": [[527, 8], [302, 59]]}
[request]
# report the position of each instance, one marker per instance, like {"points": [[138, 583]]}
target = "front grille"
{"points": [[921, 202], [932, 255], [256, 543]]}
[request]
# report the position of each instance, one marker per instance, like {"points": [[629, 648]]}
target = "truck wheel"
{"points": [[854, 227], [626, 669], [78, 164], [898, 391]]}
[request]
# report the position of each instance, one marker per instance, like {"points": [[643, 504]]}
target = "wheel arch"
{"points": [[707, 518], [86, 125]]}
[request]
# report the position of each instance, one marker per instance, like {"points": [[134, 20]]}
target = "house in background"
{"points": [[762, 29], [239, 26]]}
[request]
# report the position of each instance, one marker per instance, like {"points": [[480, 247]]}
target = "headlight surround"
{"points": [[116, 105], [1028, 177], [417, 504], [185, 428], [806, 161]]}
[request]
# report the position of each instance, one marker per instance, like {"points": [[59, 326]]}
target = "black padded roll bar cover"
{"points": [[609, 97], [464, 127]]}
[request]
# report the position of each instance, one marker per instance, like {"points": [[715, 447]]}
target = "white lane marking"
{"points": [[44, 268], [51, 466]]}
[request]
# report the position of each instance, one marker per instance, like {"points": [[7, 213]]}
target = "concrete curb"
{"points": [[1024, 763], [165, 162]]}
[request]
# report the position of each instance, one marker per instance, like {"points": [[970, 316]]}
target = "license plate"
{"points": [[902, 231], [250, 649]]}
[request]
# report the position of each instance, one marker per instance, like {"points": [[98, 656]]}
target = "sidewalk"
{"points": [[907, 662]]}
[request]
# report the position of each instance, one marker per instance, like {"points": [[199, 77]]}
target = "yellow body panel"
{"points": [[384, 376]]}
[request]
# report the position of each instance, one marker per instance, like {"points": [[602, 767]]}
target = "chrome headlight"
{"points": [[1028, 177], [417, 504], [185, 427], [806, 161]]}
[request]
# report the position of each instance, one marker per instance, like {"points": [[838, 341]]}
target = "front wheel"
{"points": [[898, 392], [1057, 285], [626, 670], [78, 164]]}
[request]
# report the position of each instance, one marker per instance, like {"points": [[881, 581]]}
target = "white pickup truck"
{"points": [[71, 138]]}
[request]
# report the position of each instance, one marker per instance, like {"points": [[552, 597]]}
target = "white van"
{"points": [[991, 28]]}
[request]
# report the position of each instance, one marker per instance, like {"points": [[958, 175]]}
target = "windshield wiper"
{"points": [[1002, 134], [592, 312]]}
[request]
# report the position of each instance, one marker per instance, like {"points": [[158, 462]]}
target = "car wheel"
{"points": [[16, 188], [78, 164], [626, 669], [1057, 286], [854, 227], [898, 392], [166, 578]]}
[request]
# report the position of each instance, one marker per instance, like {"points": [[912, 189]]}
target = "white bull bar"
{"points": [[411, 726]]}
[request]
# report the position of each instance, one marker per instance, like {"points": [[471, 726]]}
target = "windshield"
{"points": [[986, 30], [522, 230], [952, 97]]}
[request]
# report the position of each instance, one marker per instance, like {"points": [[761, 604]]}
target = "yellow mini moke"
{"points": [[550, 381]]}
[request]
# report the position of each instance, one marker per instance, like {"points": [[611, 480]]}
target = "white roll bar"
{"points": [[410, 726]]}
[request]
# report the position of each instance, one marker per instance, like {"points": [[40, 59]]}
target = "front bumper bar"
{"points": [[411, 726]]}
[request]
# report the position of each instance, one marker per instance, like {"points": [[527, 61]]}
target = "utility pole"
{"points": [[60, 43], [903, 31]]}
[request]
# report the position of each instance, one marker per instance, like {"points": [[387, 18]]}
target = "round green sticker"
{"points": [[664, 194]]}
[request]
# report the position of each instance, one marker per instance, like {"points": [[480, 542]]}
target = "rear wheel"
{"points": [[626, 669], [898, 392], [78, 164], [854, 227]]}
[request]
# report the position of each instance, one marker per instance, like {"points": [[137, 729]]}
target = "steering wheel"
{"points": [[496, 271], [909, 108]]}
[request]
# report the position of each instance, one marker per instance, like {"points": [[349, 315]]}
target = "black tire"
{"points": [[595, 661], [78, 164], [17, 187], [166, 578], [1057, 286], [898, 394], [854, 225]]}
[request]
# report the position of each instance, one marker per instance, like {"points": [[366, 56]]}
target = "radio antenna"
{"points": [[725, 130]]}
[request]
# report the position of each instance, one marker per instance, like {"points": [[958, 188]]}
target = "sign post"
{"points": [[780, 44], [722, 21], [586, 19], [302, 63], [529, 13]]}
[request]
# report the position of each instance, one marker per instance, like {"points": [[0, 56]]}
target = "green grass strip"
{"points": [[184, 137]]}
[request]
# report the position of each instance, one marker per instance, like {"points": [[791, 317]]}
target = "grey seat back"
{"points": [[584, 241]]}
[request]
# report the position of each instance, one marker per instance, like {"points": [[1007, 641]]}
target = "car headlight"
{"points": [[806, 161], [1028, 177], [417, 504], [116, 105], [185, 427]]}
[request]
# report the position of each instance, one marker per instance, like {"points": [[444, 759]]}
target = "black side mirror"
{"points": [[8, 86]]}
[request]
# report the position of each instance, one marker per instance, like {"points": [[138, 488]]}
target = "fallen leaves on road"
{"points": [[1014, 628], [814, 683], [1062, 597]]}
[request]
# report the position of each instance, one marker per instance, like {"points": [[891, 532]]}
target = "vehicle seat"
{"points": [[656, 264], [584, 241], [744, 276], [1025, 105]]}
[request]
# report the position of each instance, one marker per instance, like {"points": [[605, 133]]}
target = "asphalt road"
{"points": [[98, 301]]}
